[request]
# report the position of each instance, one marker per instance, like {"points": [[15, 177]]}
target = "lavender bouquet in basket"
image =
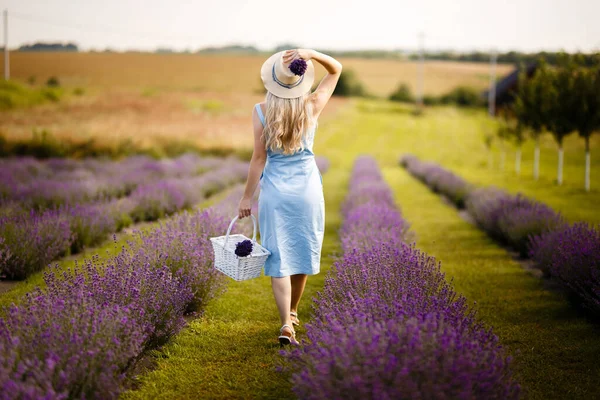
{"points": [[243, 248]]}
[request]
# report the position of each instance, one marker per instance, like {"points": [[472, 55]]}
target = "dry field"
{"points": [[228, 73], [204, 100], [203, 119]]}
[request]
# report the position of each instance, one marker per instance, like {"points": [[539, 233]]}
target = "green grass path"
{"points": [[555, 351], [231, 352]]}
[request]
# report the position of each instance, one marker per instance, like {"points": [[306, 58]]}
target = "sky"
{"points": [[461, 25]]}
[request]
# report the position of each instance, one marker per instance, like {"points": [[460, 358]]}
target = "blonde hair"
{"points": [[286, 122]]}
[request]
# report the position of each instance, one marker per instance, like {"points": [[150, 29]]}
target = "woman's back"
{"points": [[308, 139]]}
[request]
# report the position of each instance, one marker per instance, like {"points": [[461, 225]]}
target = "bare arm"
{"points": [[323, 93], [257, 164]]}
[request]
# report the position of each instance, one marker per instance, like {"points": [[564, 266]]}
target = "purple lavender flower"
{"points": [[113, 309], [387, 324], [438, 179], [31, 241], [67, 346], [243, 248], [182, 244], [571, 254], [519, 218], [89, 223], [298, 66], [511, 219]]}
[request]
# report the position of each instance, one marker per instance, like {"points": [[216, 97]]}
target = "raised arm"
{"points": [[325, 89]]}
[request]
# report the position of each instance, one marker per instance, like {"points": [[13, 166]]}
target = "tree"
{"points": [[503, 133], [586, 108], [512, 129], [531, 107], [561, 99], [349, 85], [462, 96], [488, 127], [402, 94]]}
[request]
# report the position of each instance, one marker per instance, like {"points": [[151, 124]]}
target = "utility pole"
{"points": [[492, 91], [420, 70], [6, 60], [492, 108]]}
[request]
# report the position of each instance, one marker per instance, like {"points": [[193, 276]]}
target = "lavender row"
{"points": [[509, 219], [37, 184], [28, 183], [438, 179], [387, 324], [370, 208], [30, 241], [78, 337], [568, 253]]}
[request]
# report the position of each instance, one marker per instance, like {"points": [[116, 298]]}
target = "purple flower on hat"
{"points": [[298, 66]]}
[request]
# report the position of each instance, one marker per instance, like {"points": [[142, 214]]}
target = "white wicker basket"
{"points": [[238, 268]]}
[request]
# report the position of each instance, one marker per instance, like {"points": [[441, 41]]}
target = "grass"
{"points": [[107, 249], [232, 351], [13, 95], [118, 123], [570, 198], [454, 138], [555, 349]]}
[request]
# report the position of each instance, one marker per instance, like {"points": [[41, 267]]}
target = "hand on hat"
{"points": [[291, 55]]}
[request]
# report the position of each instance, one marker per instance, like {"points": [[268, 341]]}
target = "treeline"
{"points": [[511, 57], [462, 96], [561, 100], [230, 49], [40, 46]]}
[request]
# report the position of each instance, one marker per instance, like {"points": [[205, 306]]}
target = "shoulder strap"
{"points": [[260, 114]]}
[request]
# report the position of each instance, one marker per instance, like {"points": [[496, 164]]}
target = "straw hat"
{"points": [[282, 82]]}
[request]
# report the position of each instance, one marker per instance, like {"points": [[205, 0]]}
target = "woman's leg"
{"points": [[282, 290], [298, 282]]}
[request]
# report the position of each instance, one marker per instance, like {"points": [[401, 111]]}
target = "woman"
{"points": [[291, 207]]}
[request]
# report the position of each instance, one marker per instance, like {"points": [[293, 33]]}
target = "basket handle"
{"points": [[231, 226]]}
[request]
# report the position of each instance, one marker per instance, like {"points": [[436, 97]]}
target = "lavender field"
{"points": [[56, 207], [458, 145], [413, 300], [387, 323], [443, 279], [81, 333], [566, 253]]}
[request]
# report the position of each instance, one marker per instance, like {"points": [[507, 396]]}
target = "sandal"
{"points": [[284, 339], [295, 321]]}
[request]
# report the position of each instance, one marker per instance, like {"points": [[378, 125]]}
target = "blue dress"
{"points": [[291, 210]]}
